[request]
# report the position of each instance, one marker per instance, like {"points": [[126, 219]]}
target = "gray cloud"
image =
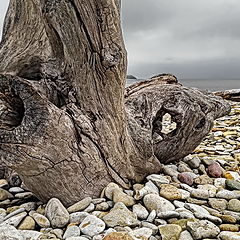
{"points": [[189, 38], [211, 69], [197, 39]]}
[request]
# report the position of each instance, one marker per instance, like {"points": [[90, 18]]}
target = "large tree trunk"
{"points": [[67, 126]]}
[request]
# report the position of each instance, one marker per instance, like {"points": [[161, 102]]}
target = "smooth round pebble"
{"points": [[56, 213], [92, 226], [155, 202]]}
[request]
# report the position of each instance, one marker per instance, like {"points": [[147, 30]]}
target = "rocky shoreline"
{"points": [[198, 198]]}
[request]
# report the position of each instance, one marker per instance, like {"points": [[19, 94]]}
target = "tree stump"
{"points": [[68, 127]]}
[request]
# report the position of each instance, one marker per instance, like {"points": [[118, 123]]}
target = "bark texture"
{"points": [[67, 125]]}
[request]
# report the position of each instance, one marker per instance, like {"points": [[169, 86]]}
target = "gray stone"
{"points": [[4, 194], [78, 217], [58, 232], [81, 205], [200, 193], [140, 211], [184, 213], [119, 196], [41, 220], [15, 190], [168, 214], [92, 226], [152, 216], [8, 232], [185, 235], [27, 223], [197, 201], [3, 214], [110, 204], [20, 210], [72, 231], [178, 204], [56, 213], [201, 169], [129, 192], [158, 179], [103, 206], [77, 238], [226, 235], [141, 233], [235, 215], [5, 203], [202, 229], [192, 161], [110, 189], [234, 205], [98, 200], [170, 231], [90, 208], [159, 222], [152, 187], [209, 217], [194, 174], [232, 184], [16, 219], [155, 202], [183, 167], [186, 187], [151, 226], [30, 235], [29, 206], [153, 238], [196, 209], [212, 190], [170, 171], [226, 194], [220, 183], [143, 192], [219, 204], [4, 183], [120, 216], [24, 195]]}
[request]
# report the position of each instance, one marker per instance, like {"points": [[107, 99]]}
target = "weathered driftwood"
{"points": [[233, 94], [192, 113], [67, 126]]}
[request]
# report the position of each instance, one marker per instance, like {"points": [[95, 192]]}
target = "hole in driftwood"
{"points": [[168, 125], [163, 125], [201, 124]]}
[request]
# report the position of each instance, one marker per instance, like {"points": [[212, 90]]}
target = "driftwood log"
{"points": [[67, 125], [233, 94]]}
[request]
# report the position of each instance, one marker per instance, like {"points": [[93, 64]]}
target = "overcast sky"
{"points": [[189, 38]]}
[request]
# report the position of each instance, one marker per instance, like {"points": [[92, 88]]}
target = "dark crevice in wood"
{"points": [[32, 70], [82, 24], [201, 124], [11, 110]]}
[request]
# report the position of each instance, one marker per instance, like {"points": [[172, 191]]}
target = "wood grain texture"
{"points": [[67, 125]]}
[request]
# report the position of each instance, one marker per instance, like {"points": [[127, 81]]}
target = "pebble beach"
{"points": [[196, 198]]}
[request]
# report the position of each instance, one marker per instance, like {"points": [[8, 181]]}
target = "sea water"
{"points": [[204, 84]]}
